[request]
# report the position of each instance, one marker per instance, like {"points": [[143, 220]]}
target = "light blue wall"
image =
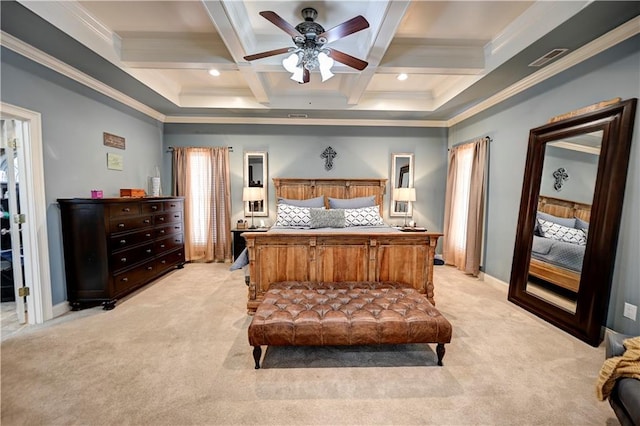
{"points": [[294, 151], [614, 73], [73, 120]]}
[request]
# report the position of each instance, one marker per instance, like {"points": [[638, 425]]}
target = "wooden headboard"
{"points": [[564, 208], [303, 188]]}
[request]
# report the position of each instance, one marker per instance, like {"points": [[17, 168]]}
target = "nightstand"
{"points": [[239, 243]]}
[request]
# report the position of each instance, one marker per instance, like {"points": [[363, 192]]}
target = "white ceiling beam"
{"points": [[230, 18], [426, 58], [392, 17]]}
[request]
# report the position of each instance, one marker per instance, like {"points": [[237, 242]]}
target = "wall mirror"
{"points": [[569, 218], [256, 174], [401, 177]]}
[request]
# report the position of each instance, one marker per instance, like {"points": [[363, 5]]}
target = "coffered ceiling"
{"points": [[456, 54]]}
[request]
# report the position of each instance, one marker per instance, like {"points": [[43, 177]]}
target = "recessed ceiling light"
{"points": [[214, 72], [402, 77]]}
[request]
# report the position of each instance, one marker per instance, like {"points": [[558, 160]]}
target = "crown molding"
{"points": [[304, 121], [44, 59], [608, 40]]}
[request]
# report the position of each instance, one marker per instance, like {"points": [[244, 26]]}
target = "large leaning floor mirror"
{"points": [[569, 218]]}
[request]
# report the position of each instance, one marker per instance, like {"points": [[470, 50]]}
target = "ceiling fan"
{"points": [[311, 39]]}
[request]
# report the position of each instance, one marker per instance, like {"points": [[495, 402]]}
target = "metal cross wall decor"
{"points": [[560, 176], [328, 154]]}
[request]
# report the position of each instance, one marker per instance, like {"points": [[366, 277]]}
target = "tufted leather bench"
{"points": [[296, 313]]}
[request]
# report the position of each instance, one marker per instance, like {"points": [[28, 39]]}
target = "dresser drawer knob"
{"points": [[123, 259], [147, 235], [176, 216], [147, 221], [161, 245], [121, 225], [148, 251], [125, 279], [172, 205], [126, 209], [154, 207], [163, 261], [162, 231], [149, 268], [123, 242], [161, 219]]}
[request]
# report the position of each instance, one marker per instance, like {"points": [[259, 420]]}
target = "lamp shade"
{"points": [[252, 193], [404, 194]]}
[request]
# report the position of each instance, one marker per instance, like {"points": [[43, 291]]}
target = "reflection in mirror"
{"points": [[256, 175], [561, 228], [570, 193], [401, 177]]}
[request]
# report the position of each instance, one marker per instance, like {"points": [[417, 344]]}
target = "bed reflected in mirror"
{"points": [[562, 221]]}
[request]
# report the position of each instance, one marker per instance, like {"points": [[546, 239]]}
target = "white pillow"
{"points": [[293, 216], [555, 231], [365, 216]]}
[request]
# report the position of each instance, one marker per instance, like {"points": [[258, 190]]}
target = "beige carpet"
{"points": [[176, 353]]}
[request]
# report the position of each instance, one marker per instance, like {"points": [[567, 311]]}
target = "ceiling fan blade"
{"points": [[305, 76], [348, 60], [276, 20], [351, 26], [267, 54]]}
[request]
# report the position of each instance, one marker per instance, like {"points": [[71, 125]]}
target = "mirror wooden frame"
{"points": [[616, 122], [393, 212], [263, 178]]}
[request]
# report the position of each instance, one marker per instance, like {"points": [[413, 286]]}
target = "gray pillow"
{"points": [[321, 218], [569, 222], [352, 203], [309, 202], [581, 224]]}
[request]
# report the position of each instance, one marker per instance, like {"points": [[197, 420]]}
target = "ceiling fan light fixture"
{"points": [[325, 64], [290, 63], [297, 75], [214, 72]]}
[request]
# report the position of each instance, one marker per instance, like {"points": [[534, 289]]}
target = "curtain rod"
{"points": [[486, 138], [170, 148]]}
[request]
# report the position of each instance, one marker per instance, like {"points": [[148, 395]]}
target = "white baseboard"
{"points": [[492, 280], [61, 309]]}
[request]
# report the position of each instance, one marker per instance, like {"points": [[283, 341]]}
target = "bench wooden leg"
{"points": [[257, 353], [440, 351]]}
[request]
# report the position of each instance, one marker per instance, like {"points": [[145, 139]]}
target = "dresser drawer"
{"points": [[127, 280], [172, 205], [170, 217], [126, 258], [125, 241], [152, 207], [163, 231], [130, 223], [169, 260], [169, 243], [124, 209]]}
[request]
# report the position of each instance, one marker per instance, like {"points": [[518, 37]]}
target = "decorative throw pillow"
{"points": [[569, 222], [292, 216], [366, 216], [352, 203], [321, 218], [309, 202], [581, 224], [558, 232]]}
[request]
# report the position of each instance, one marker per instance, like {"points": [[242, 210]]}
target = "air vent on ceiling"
{"points": [[543, 60], [297, 116]]}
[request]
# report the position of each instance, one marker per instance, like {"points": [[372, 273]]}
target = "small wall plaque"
{"points": [[113, 140], [114, 161]]}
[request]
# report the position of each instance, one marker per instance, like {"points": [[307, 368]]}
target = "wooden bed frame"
{"points": [[557, 275], [317, 256]]}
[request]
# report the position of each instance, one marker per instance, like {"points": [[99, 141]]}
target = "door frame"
{"points": [[34, 206]]}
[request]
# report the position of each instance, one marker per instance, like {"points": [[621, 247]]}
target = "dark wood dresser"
{"points": [[114, 245]]}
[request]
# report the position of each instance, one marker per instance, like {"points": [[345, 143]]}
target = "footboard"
{"points": [[336, 257]]}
